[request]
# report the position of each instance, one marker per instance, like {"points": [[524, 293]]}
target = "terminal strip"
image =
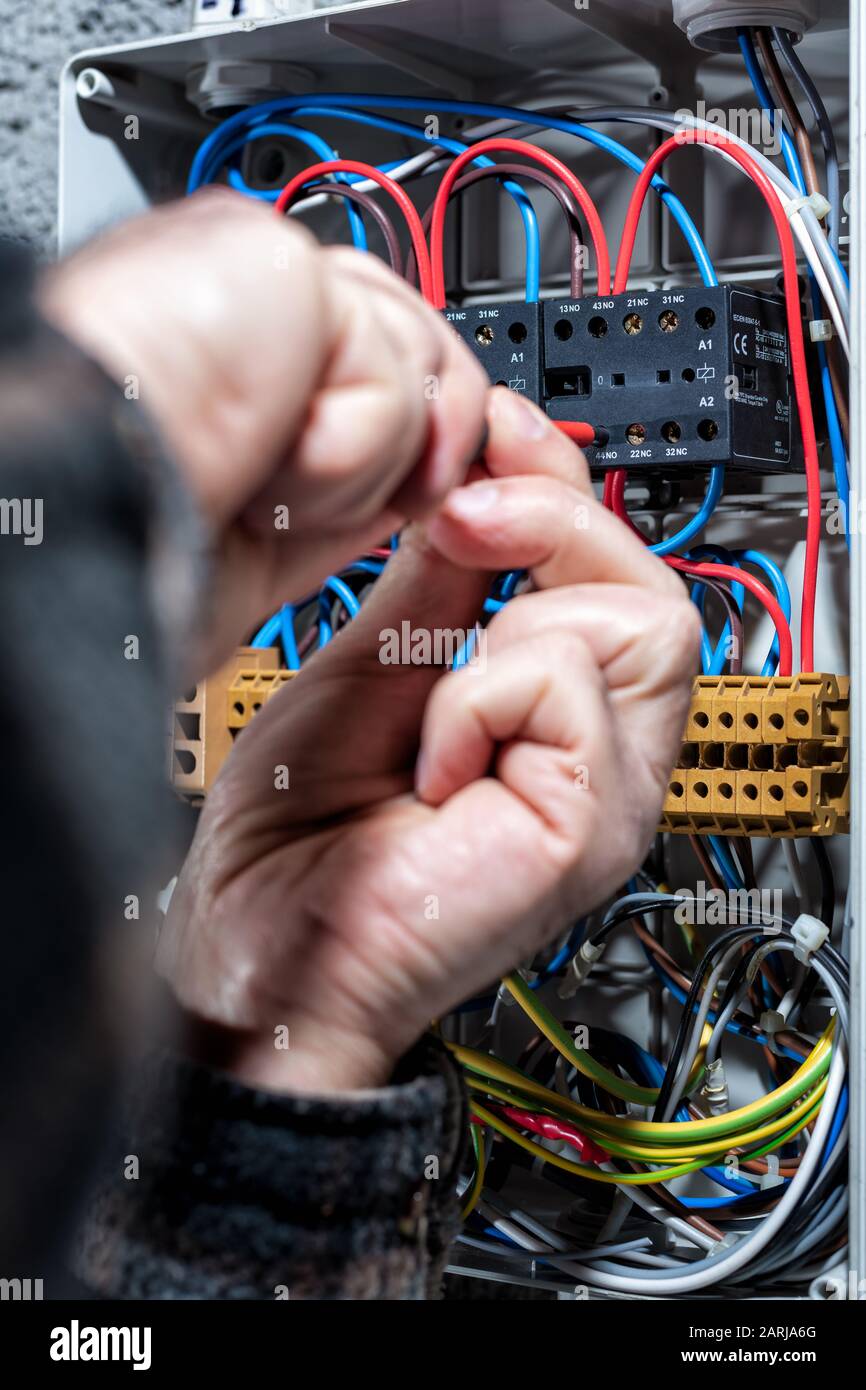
{"points": [[207, 720], [763, 755]]}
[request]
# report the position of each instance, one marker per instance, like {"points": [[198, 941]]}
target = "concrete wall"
{"points": [[36, 38]]}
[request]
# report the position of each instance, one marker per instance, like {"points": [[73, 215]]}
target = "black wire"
{"points": [[828, 882], [664, 904], [785, 42]]}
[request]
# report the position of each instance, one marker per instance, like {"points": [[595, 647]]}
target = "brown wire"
{"points": [[563, 195], [735, 618], [790, 108], [705, 863], [369, 204]]}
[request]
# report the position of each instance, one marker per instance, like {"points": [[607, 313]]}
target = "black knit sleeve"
{"points": [[229, 1193]]}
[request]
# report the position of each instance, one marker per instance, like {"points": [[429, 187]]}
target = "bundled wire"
{"points": [[549, 162], [555, 186]]}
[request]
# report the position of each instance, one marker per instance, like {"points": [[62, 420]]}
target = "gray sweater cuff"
{"points": [[231, 1193]]}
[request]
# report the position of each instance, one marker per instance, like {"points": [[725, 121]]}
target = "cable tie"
{"points": [[809, 935], [816, 201], [771, 1022], [821, 330]]}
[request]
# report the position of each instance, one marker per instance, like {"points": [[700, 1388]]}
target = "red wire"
{"points": [[718, 139], [709, 571], [549, 162], [577, 430], [550, 1128], [760, 591], [401, 198]]}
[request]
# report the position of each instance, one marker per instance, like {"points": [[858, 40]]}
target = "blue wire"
{"points": [[287, 632], [486, 109], [305, 137], [783, 597], [700, 518], [341, 589], [267, 635], [725, 862], [326, 631], [527, 212], [762, 92], [714, 664], [713, 661]]}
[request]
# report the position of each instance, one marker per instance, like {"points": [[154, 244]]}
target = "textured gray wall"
{"points": [[36, 38]]}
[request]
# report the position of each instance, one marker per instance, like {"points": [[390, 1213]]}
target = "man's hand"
{"points": [[292, 383], [381, 888]]}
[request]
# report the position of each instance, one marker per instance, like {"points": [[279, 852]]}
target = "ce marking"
{"points": [[741, 344]]}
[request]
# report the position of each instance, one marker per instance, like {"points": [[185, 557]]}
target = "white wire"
{"points": [[804, 223], [659, 1213], [795, 869]]}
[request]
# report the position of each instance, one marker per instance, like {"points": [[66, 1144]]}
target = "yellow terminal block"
{"points": [[763, 755], [207, 720]]}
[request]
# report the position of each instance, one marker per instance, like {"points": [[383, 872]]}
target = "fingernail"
{"points": [[467, 502], [520, 417]]}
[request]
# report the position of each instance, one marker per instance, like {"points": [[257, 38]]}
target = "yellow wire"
{"points": [[646, 1129], [673, 1155], [478, 1180], [580, 1170], [573, 1055]]}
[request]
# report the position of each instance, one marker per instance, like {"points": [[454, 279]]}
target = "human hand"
{"points": [[311, 399], [381, 888]]}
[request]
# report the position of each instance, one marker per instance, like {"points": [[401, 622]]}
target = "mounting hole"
{"points": [[563, 330], [518, 332], [707, 429], [705, 318], [635, 434], [597, 326], [688, 374], [484, 335], [671, 432], [669, 321], [632, 323]]}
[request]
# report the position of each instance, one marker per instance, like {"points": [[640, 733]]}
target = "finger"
{"points": [[562, 535], [455, 388], [523, 441], [535, 713], [645, 644], [367, 422]]}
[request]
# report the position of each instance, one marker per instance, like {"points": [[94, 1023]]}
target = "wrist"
{"points": [[294, 1058]]}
